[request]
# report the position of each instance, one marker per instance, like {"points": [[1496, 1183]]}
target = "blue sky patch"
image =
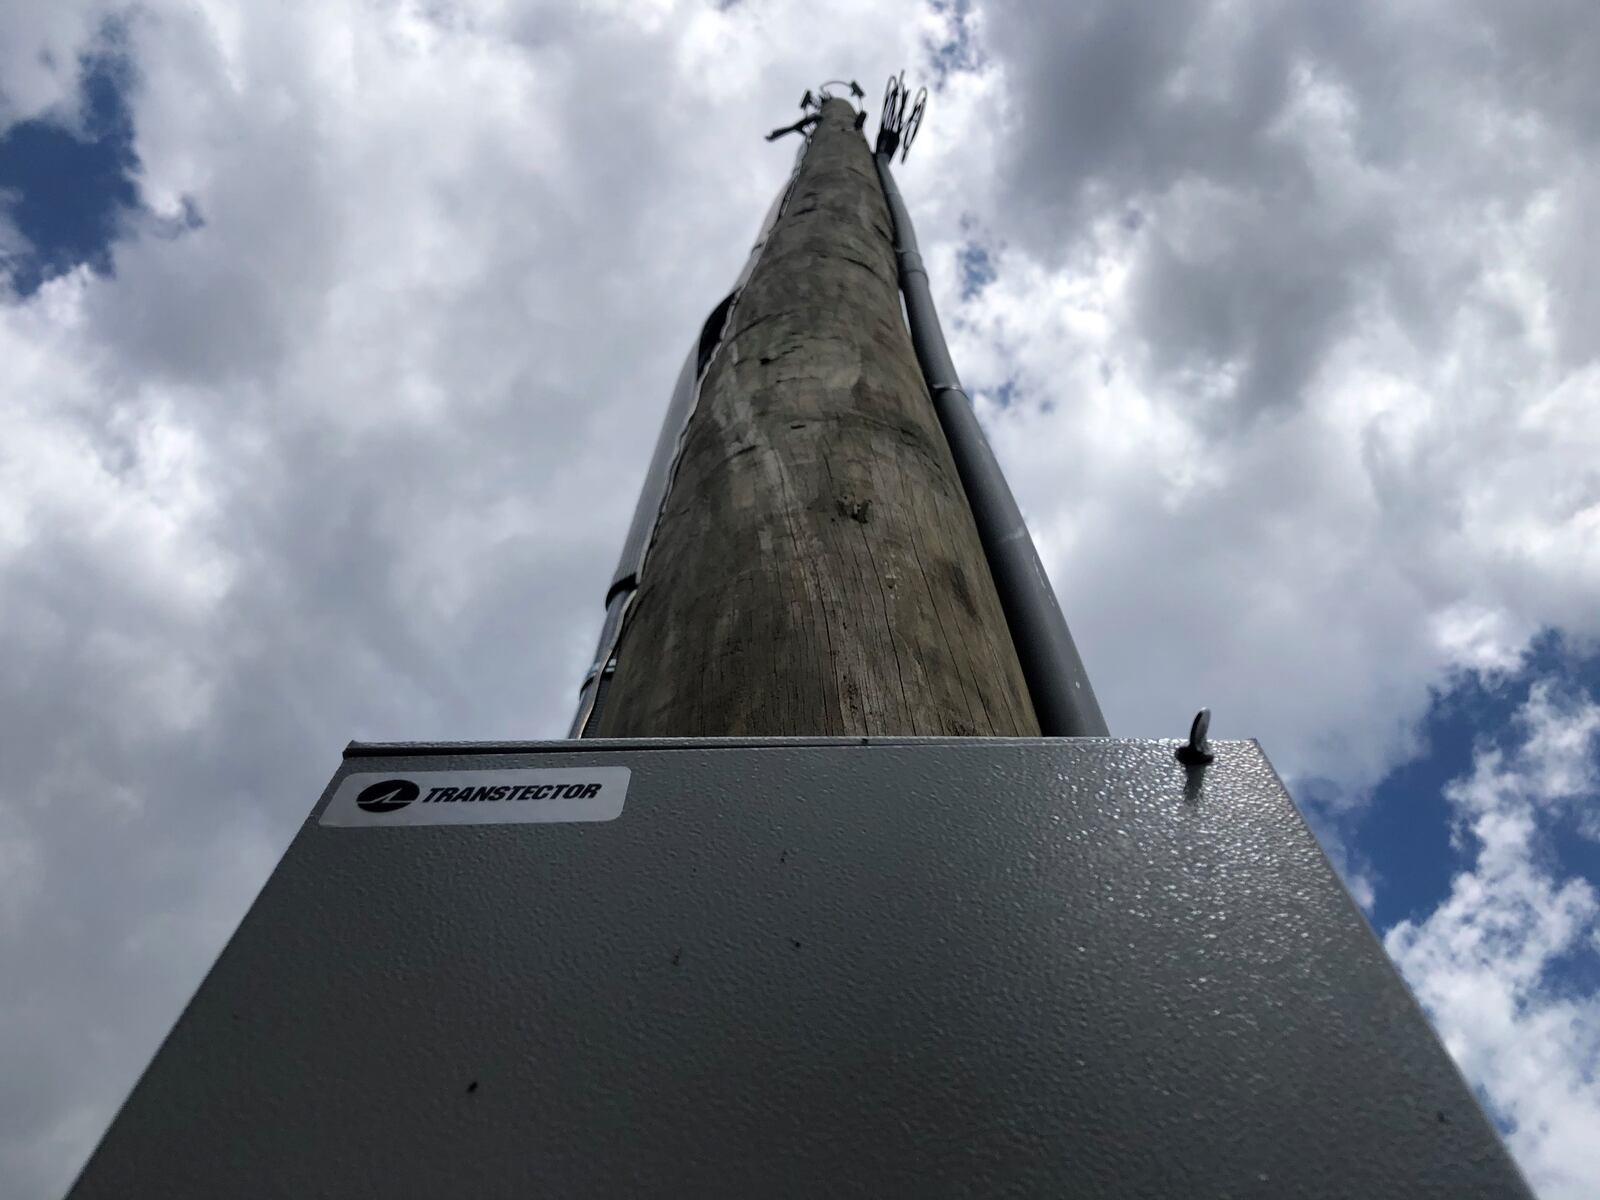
{"points": [[1406, 833], [977, 269], [65, 191], [959, 51]]}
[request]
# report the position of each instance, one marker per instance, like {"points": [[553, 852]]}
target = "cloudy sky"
{"points": [[334, 338]]}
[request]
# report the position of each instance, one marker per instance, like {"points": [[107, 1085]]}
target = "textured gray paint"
{"points": [[910, 967]]}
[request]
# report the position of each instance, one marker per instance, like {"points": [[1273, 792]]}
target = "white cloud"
{"points": [[1297, 307], [1280, 302], [1489, 962], [39, 58]]}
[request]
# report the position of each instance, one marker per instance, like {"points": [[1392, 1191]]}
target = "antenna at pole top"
{"points": [[897, 127]]}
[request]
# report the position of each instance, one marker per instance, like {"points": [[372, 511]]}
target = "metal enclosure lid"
{"points": [[926, 967]]}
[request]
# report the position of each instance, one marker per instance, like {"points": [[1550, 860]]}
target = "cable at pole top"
{"points": [[897, 128]]}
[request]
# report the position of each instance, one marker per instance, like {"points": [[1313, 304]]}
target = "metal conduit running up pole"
{"points": [[1062, 696]]}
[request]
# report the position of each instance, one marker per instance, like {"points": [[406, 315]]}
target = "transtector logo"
{"points": [[388, 795]]}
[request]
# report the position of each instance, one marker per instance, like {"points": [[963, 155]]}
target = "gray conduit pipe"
{"points": [[1063, 700]]}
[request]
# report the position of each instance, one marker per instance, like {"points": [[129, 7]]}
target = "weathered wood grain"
{"points": [[816, 569]]}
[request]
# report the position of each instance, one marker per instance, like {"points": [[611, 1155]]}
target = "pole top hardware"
{"points": [[801, 126], [824, 94], [811, 105], [814, 99], [896, 127]]}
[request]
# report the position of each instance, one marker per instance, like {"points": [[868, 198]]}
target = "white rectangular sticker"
{"points": [[467, 797]]}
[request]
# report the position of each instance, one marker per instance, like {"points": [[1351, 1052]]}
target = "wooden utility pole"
{"points": [[815, 568]]}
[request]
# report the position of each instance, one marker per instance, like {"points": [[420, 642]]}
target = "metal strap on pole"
{"points": [[658, 478]]}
